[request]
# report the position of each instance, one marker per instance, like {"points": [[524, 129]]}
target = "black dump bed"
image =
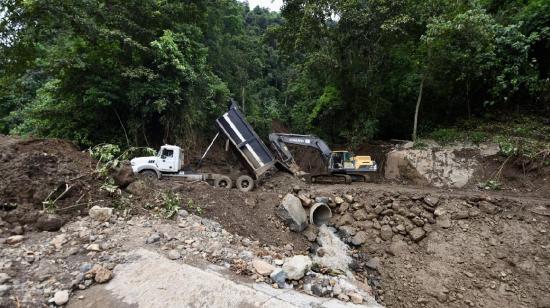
{"points": [[254, 153]]}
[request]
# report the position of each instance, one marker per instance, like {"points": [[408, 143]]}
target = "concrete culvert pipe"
{"points": [[319, 214]]}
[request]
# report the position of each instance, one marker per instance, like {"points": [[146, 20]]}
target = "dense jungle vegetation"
{"points": [[144, 72]]}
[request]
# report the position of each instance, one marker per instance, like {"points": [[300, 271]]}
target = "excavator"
{"points": [[340, 166]]}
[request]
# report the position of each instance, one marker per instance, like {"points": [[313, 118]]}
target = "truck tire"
{"points": [[149, 175], [245, 183], [223, 182]]}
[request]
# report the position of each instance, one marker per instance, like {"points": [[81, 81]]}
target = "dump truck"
{"points": [[238, 134]]}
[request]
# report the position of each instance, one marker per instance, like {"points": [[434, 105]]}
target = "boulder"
{"points": [[137, 188], [360, 238], [386, 233], [123, 176], [292, 213], [417, 234], [306, 200], [488, 207], [348, 198], [297, 266], [278, 276], [61, 297], [101, 274], [263, 268], [15, 239], [100, 213], [346, 219], [338, 200], [49, 222]]}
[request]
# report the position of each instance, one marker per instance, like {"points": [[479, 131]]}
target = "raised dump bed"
{"points": [[253, 153]]}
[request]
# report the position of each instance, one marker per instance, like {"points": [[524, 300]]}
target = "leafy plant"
{"points": [[478, 137], [171, 204], [491, 185]]}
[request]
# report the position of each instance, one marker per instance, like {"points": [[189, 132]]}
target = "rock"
{"points": [[311, 233], [18, 230], [4, 289], [137, 188], [360, 238], [439, 211], [398, 248], [373, 263], [61, 297], [338, 200], [348, 198], [296, 267], [183, 213], [292, 213], [346, 219], [317, 290], [263, 268], [488, 207], [444, 221], [101, 274], [356, 298], [296, 189], [360, 215], [343, 207], [153, 238], [4, 278], [49, 222], [14, 239], [431, 201], [93, 247], [174, 254], [278, 276], [417, 234], [85, 267], [123, 176], [306, 201], [460, 215], [100, 213], [386, 233], [346, 231], [59, 240], [418, 221]]}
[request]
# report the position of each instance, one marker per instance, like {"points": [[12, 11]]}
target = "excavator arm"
{"points": [[279, 142]]}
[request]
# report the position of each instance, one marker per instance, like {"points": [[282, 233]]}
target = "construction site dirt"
{"points": [[421, 246]]}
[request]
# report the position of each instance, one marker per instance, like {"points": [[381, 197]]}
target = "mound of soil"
{"points": [[247, 214], [38, 171]]}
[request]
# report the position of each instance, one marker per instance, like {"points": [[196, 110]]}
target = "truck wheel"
{"points": [[148, 175], [245, 183], [223, 182]]}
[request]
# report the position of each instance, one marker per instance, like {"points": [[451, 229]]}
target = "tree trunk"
{"points": [[418, 100]]}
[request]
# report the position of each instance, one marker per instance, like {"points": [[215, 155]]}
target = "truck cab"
{"points": [[168, 160]]}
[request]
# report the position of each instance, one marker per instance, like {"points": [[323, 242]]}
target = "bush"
{"points": [[445, 135], [478, 137]]}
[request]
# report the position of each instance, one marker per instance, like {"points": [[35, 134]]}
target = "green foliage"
{"points": [[446, 136], [152, 72], [477, 137], [491, 185], [170, 204]]}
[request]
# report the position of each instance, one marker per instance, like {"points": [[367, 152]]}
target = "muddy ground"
{"points": [[424, 247]]}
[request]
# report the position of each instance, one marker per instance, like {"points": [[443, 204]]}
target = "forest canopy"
{"points": [[146, 72]]}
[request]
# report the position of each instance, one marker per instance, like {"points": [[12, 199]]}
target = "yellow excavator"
{"points": [[341, 166]]}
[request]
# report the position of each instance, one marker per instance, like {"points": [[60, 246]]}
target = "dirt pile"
{"points": [[444, 250], [45, 174]]}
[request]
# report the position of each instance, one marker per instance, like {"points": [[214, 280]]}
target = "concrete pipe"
{"points": [[319, 214]]}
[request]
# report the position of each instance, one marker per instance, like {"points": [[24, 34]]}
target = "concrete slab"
{"points": [[152, 280]]}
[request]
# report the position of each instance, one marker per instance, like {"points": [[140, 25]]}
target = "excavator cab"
{"points": [[342, 160]]}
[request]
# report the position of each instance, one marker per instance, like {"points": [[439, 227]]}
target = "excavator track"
{"points": [[331, 179]]}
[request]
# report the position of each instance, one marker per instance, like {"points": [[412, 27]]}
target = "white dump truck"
{"points": [[232, 126]]}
